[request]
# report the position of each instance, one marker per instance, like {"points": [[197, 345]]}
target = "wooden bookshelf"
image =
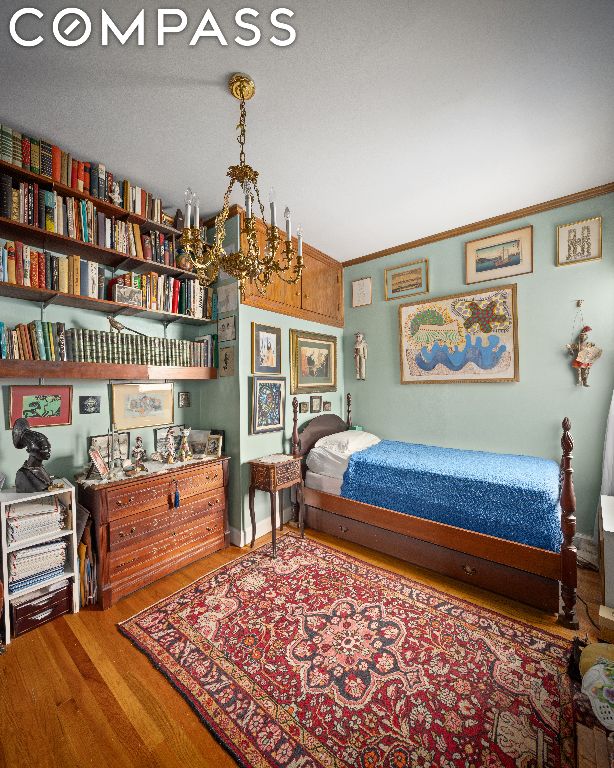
{"points": [[45, 369], [47, 296]]}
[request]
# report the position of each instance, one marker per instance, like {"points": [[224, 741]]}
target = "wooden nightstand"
{"points": [[273, 474]]}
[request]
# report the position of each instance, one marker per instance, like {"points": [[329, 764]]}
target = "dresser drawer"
{"points": [[131, 529], [204, 480], [128, 500], [28, 616]]}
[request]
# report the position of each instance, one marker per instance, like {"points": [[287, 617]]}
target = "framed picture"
{"points": [[102, 444], [468, 337], [184, 400], [268, 404], [499, 256], [227, 298], [197, 440], [42, 406], [577, 242], [99, 462], [327, 406], [266, 349], [142, 405], [362, 294], [226, 329], [313, 362], [315, 404], [214, 446], [89, 404], [227, 361], [303, 407], [160, 436], [409, 279], [221, 433]]}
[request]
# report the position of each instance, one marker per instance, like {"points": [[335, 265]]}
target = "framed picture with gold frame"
{"points": [[578, 242], [410, 279], [499, 256], [313, 362], [266, 349]]}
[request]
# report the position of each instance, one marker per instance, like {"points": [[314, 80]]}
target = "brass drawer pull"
{"points": [[469, 570], [343, 529], [120, 502], [133, 529]]}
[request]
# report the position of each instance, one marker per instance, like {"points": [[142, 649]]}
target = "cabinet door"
{"points": [[322, 285]]}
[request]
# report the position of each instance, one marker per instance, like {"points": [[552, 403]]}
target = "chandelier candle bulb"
{"points": [[248, 205], [288, 224], [188, 206], [272, 202], [197, 214], [299, 237]]}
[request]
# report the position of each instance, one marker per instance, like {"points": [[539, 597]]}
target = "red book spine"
{"points": [[42, 274], [18, 262], [34, 269], [56, 163], [175, 304], [87, 177], [26, 152], [80, 175], [74, 173]]}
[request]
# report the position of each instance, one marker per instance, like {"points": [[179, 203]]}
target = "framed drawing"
{"points": [[42, 406], [227, 361], [468, 337], [102, 444], [409, 279], [268, 404], [184, 400], [226, 329], [214, 446], [89, 404], [577, 242], [362, 294], [227, 298], [142, 405], [315, 403], [266, 349], [499, 256], [313, 362]]}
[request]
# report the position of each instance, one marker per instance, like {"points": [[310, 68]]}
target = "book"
{"points": [[25, 152], [16, 156], [46, 161], [11, 270], [35, 156], [6, 143], [63, 274], [56, 163]]}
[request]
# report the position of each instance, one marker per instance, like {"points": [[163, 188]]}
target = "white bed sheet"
{"points": [[323, 483]]}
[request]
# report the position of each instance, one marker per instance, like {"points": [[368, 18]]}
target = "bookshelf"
{"points": [[46, 369]]}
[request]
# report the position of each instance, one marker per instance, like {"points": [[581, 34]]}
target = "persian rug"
{"points": [[317, 659]]}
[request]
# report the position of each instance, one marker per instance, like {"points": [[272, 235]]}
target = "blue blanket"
{"points": [[510, 497]]}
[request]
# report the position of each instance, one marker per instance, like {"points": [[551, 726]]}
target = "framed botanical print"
{"points": [[268, 404], [43, 406], [142, 405], [362, 294], [266, 349], [313, 362], [499, 256], [577, 242], [468, 337], [409, 279]]}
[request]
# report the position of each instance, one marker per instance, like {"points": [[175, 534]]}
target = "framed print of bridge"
{"points": [[467, 337]]}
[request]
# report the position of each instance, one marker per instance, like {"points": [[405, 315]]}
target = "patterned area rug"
{"points": [[318, 659]]}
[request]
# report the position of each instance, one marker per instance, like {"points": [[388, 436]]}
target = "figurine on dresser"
{"points": [[170, 447], [185, 454], [139, 455], [32, 476]]}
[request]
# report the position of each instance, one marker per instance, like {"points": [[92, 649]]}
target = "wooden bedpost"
{"points": [[295, 438], [569, 574], [349, 411]]}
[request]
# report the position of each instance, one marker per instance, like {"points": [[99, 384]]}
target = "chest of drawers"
{"points": [[141, 535]]}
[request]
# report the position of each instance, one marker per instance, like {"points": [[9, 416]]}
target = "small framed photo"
{"points": [[303, 407], [266, 349], [226, 329], [577, 242], [89, 404], [142, 405], [184, 400], [315, 404], [102, 444], [268, 404], [161, 433], [362, 294], [197, 440], [327, 406], [410, 279], [499, 256], [214, 446], [43, 406]]}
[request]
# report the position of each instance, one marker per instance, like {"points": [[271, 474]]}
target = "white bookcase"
{"points": [[71, 569]]}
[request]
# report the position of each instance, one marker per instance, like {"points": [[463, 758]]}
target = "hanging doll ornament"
{"points": [[583, 351]]}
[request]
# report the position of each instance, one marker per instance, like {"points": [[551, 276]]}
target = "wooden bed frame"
{"points": [[536, 577]]}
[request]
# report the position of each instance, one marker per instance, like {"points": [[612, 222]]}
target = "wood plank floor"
{"points": [[77, 693]]}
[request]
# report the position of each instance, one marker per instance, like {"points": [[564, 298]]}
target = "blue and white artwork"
{"points": [[268, 404]]}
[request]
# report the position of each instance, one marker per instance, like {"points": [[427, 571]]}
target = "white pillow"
{"points": [[331, 454]]}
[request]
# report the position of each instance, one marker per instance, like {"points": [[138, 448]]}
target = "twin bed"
{"points": [[505, 523]]}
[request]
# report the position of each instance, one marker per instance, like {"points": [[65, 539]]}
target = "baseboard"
{"points": [[241, 538]]}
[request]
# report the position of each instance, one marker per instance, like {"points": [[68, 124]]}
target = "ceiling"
{"points": [[383, 122]]}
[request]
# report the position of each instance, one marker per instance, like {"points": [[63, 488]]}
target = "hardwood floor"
{"points": [[77, 693]]}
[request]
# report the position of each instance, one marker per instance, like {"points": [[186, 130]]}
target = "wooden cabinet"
{"points": [[317, 296], [141, 535]]}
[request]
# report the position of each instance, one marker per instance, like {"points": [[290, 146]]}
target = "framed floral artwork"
{"points": [[499, 256], [410, 279], [268, 404], [43, 406], [578, 242], [313, 362], [142, 405]]}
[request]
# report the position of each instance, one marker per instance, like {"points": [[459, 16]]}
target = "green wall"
{"points": [[523, 417]]}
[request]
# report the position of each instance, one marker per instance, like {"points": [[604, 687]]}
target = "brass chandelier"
{"points": [[249, 263]]}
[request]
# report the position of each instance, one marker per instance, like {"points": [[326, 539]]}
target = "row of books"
{"points": [[49, 161], [41, 340], [164, 293], [80, 220]]}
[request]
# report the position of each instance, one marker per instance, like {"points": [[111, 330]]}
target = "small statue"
{"points": [[170, 447], [361, 349], [32, 476], [185, 454], [585, 353], [115, 195], [139, 455]]}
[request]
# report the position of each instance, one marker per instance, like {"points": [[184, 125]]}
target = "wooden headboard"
{"points": [[321, 426]]}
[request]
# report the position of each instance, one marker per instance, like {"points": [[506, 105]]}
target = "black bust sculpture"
{"points": [[32, 477]]}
